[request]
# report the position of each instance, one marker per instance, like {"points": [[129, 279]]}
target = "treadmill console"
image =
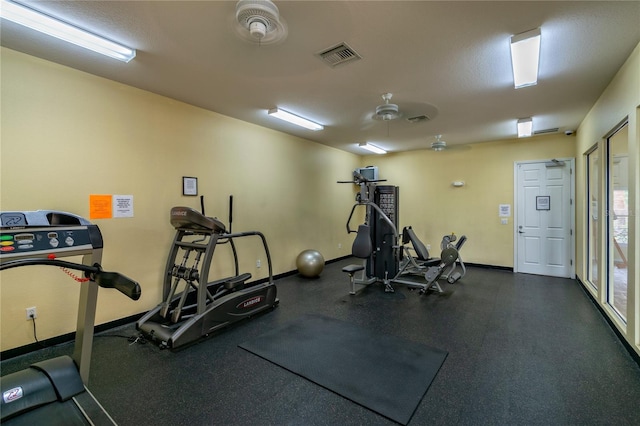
{"points": [[44, 232]]}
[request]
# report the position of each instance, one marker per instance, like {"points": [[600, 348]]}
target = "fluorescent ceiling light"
{"points": [[525, 57], [294, 119], [525, 127], [372, 148], [38, 21]]}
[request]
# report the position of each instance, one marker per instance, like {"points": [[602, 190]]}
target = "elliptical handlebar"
{"points": [[104, 279], [264, 244]]}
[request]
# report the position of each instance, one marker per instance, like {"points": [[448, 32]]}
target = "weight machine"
{"points": [[417, 261], [54, 391], [376, 243]]}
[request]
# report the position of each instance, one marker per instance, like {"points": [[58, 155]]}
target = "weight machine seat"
{"points": [[421, 250], [352, 269], [362, 248], [422, 253]]}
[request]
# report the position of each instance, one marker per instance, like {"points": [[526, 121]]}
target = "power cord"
{"points": [[132, 339], [35, 335], [137, 339]]}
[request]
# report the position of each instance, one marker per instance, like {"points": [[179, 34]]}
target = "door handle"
{"points": [[520, 232]]}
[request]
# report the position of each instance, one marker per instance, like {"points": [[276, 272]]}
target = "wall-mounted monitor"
{"points": [[369, 172]]}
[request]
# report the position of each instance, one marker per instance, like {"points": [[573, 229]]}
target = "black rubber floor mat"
{"points": [[383, 373]]}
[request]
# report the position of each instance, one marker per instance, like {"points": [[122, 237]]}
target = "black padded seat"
{"points": [[352, 269], [421, 250], [362, 248], [422, 253], [461, 242]]}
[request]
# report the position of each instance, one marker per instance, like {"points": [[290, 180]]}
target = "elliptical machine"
{"points": [[191, 307]]}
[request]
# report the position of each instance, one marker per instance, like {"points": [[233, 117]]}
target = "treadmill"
{"points": [[54, 391]]}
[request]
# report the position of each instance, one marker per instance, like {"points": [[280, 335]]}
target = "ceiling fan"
{"points": [[412, 113], [387, 111], [259, 21], [441, 145]]}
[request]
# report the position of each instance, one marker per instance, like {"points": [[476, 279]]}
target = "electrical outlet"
{"points": [[339, 245], [428, 246], [31, 313], [258, 263]]}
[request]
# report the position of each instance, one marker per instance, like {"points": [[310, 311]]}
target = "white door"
{"points": [[544, 218]]}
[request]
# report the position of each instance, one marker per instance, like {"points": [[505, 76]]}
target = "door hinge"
{"points": [[571, 262], [570, 201], [570, 231]]}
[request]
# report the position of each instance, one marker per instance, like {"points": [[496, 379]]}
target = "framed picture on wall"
{"points": [[189, 185], [543, 202]]}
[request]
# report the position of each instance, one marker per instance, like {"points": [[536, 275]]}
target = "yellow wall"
{"points": [[433, 207], [619, 102], [66, 134]]}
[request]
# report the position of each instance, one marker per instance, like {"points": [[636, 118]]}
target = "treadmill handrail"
{"points": [[125, 285]]}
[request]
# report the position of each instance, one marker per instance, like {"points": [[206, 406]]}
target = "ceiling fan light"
{"points": [[259, 21], [387, 112], [439, 144], [257, 29], [525, 127], [372, 148]]}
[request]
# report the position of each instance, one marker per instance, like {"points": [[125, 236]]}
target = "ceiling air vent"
{"points": [[338, 54], [418, 118], [545, 131]]}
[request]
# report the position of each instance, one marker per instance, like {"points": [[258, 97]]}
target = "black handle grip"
{"points": [[122, 283], [125, 285]]}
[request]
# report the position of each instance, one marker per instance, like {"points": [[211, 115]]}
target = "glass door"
{"points": [[618, 220], [593, 233]]}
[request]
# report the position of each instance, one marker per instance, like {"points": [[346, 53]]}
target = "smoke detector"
{"points": [[387, 111], [259, 21]]}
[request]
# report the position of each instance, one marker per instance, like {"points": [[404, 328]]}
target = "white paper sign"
{"points": [[123, 206], [504, 210]]}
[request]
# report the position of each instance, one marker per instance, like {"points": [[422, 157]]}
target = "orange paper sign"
{"points": [[100, 206]]}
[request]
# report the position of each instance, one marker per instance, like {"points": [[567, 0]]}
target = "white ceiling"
{"points": [[449, 59]]}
